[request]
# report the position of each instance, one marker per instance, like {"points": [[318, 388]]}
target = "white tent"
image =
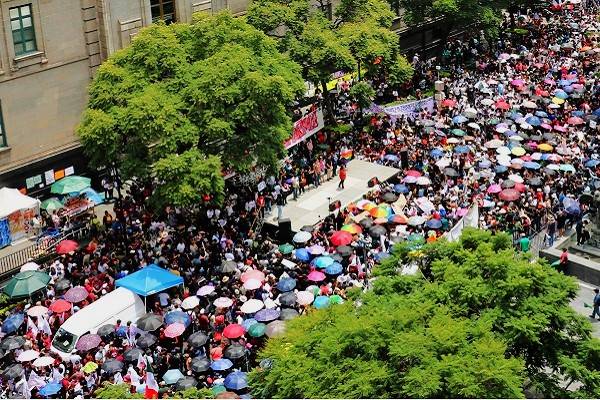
{"points": [[12, 200]]}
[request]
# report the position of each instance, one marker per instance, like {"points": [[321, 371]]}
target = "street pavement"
{"points": [[586, 296]]}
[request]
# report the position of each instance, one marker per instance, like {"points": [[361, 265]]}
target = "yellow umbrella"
{"points": [[518, 151], [352, 228], [558, 101], [90, 367], [545, 147]]}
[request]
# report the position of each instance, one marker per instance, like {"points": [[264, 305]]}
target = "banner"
{"points": [[471, 219], [305, 127], [410, 108], [16, 222]]}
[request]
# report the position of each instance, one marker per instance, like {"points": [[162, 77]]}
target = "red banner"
{"points": [[303, 128]]}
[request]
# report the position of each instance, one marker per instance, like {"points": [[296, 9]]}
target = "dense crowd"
{"points": [[515, 134]]}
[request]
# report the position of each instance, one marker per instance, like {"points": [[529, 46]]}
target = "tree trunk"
{"points": [[328, 106]]}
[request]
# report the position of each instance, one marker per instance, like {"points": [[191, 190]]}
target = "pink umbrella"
{"points": [[546, 126], [494, 189], [315, 249], [205, 290], [174, 330], [502, 105], [76, 294], [37, 311], [517, 82], [253, 274], [549, 81], [575, 121], [560, 128], [88, 342], [316, 276], [412, 172], [509, 195]]}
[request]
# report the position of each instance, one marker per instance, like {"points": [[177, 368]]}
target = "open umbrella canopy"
{"points": [[149, 322], [66, 246], [377, 231], [305, 298], [172, 376], [175, 329], [37, 311], [26, 283], [334, 269], [205, 290], [50, 389], [89, 367], [76, 294], [252, 306], [146, 341], [132, 355], [275, 328], [12, 323], [233, 331], [302, 254], [321, 302], [252, 274], [12, 343], [178, 316], [509, 195], [185, 383], [286, 284], [286, 248], [341, 238], [14, 372], [62, 285], [316, 249], [197, 339], [51, 205], [236, 381], [70, 184], [190, 302], [257, 330], [43, 361], [323, 261], [235, 351], [112, 366], [266, 315], [221, 364], [30, 266], [316, 276], [200, 364], [287, 299], [223, 302], [88, 342], [302, 237], [28, 355], [288, 313]]}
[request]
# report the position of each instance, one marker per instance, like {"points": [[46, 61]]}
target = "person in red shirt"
{"points": [[342, 177]]}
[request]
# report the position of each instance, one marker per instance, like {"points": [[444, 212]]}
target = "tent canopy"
{"points": [[150, 280], [12, 200]]}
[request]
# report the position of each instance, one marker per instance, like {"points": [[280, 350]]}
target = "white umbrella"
{"points": [[552, 105], [503, 150], [304, 298], [554, 167], [28, 355], [443, 162], [252, 306], [516, 138], [425, 204], [453, 140], [423, 181], [190, 302], [494, 144], [37, 311], [517, 161], [223, 302], [515, 178], [252, 284], [30, 266], [525, 125], [487, 102], [470, 113], [43, 361], [302, 237], [504, 159], [474, 126], [529, 104], [416, 220]]}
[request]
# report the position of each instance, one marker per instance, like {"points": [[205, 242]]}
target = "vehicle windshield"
{"points": [[64, 341]]}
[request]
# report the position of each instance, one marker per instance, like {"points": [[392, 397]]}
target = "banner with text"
{"points": [[305, 127]]}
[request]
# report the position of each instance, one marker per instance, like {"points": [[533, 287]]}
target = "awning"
{"points": [[150, 280]]}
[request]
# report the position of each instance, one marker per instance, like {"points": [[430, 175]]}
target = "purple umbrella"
{"points": [[269, 314], [88, 342], [76, 294], [205, 290], [316, 249]]}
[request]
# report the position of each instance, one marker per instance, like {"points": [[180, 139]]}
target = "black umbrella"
{"points": [[389, 197], [106, 330], [112, 366], [197, 339], [62, 284], [377, 230], [366, 222], [308, 228], [451, 172], [287, 314], [200, 364], [508, 184], [535, 182], [234, 351], [149, 322], [288, 299], [145, 341], [185, 383], [132, 355], [228, 267], [13, 372], [344, 251], [12, 343]]}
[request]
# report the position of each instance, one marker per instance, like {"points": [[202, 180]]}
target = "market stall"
{"points": [[16, 213]]}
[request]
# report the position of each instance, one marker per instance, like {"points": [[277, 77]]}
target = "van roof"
{"points": [[100, 310]]}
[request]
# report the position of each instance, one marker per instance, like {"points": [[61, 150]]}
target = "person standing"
{"points": [[596, 310], [564, 260], [342, 177]]}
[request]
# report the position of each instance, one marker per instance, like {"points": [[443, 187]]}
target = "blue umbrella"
{"points": [[573, 209], [564, 82], [434, 224], [545, 157], [531, 165], [592, 163], [221, 364], [561, 94], [321, 302], [568, 89], [391, 157], [50, 389], [178, 316], [172, 376], [248, 323], [12, 323], [516, 115], [382, 255], [485, 164], [323, 261], [541, 114], [267, 314], [597, 113], [122, 331], [236, 381], [500, 169], [461, 149], [534, 121], [302, 254], [436, 153], [334, 269], [400, 188], [510, 133], [459, 119], [578, 113], [286, 284]]}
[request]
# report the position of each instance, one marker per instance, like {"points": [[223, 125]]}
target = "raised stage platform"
{"points": [[313, 205]]}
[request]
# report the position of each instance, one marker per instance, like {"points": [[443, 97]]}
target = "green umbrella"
{"points": [[52, 204], [336, 299], [286, 248], [257, 330], [218, 389], [71, 184], [458, 132], [25, 283]]}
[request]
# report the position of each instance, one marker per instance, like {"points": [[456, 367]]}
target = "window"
{"points": [[163, 10], [21, 25], [2, 132]]}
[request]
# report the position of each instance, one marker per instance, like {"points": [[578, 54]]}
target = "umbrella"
{"points": [[266, 315], [14, 371], [288, 299], [315, 249], [201, 364], [400, 188], [288, 313], [43, 361], [172, 376], [366, 222], [334, 269], [341, 238], [304, 298], [448, 103], [175, 329], [389, 197], [316, 276], [257, 330], [421, 181], [247, 323], [236, 381], [286, 284], [567, 168], [416, 220], [185, 383], [221, 364], [234, 331], [275, 328], [434, 224], [12, 323], [197, 339], [532, 165], [146, 341], [223, 302], [458, 132], [149, 322], [30, 266], [462, 149], [535, 182], [377, 230], [344, 251], [459, 119], [252, 306], [235, 351], [177, 316], [26, 283], [76, 294], [228, 267], [286, 248], [529, 104], [302, 237], [323, 261], [50, 389], [66, 246], [12, 343], [495, 188], [205, 290], [510, 195], [62, 284], [253, 274], [37, 311], [51, 204], [132, 355], [508, 184], [28, 355], [302, 255], [112, 366], [451, 172], [190, 302], [321, 302], [70, 184], [391, 157], [353, 229], [88, 342]]}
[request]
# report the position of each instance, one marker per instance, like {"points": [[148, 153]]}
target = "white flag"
{"points": [[31, 326], [44, 326], [22, 387]]}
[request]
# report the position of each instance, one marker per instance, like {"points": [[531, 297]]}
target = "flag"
{"points": [[43, 326], [31, 326], [141, 363], [118, 378], [151, 391], [35, 381]]}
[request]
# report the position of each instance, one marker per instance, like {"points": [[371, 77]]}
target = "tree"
{"points": [[479, 321], [362, 93], [112, 391], [189, 100]]}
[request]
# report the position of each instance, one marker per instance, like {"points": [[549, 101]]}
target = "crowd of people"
{"points": [[513, 133]]}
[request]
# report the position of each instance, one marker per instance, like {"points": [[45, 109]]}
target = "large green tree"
{"points": [[479, 320], [184, 102]]}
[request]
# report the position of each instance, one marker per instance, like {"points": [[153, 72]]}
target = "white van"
{"points": [[120, 304]]}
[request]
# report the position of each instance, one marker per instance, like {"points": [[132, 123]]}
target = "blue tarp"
{"points": [[150, 280]]}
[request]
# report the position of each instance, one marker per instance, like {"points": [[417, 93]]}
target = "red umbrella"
{"points": [[316, 276], [575, 121], [233, 331], [174, 330], [519, 187], [509, 195], [412, 172], [341, 238], [448, 103], [66, 246], [502, 105], [60, 306]]}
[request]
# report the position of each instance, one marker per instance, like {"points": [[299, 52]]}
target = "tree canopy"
{"points": [[189, 100], [479, 320]]}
